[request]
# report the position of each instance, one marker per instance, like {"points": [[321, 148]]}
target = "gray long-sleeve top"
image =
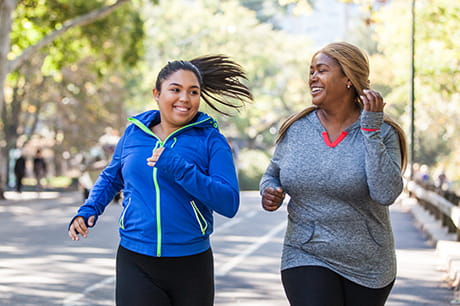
{"points": [[338, 214]]}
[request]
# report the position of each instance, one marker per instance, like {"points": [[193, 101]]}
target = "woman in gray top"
{"points": [[340, 161]]}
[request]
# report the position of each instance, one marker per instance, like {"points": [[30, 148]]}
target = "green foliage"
{"points": [[92, 76], [116, 39], [437, 75], [266, 10], [275, 61], [75, 87], [252, 165]]}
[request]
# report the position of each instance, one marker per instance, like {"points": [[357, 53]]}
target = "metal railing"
{"points": [[445, 211]]}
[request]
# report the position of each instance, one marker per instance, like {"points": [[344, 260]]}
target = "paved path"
{"points": [[419, 280], [39, 265], [255, 281]]}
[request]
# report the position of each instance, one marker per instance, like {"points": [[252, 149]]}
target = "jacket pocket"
{"points": [[202, 223], [345, 243], [121, 222], [298, 233]]}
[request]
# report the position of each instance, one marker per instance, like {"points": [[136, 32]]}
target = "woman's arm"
{"points": [[107, 185], [270, 186], [218, 189], [382, 158]]}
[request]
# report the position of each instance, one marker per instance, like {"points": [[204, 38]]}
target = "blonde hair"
{"points": [[355, 65]]}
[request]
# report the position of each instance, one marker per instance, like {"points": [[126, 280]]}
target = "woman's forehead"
{"points": [[182, 77], [323, 59]]}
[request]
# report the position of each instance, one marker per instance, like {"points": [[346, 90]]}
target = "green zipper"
{"points": [[142, 126], [200, 218], [158, 210], [122, 218]]}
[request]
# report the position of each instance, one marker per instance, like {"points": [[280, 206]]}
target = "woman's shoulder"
{"points": [[307, 120], [388, 128]]}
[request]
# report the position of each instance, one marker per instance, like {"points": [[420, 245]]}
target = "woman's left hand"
{"points": [[151, 161], [372, 100]]}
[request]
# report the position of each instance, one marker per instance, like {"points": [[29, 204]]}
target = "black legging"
{"points": [[318, 286], [164, 281]]}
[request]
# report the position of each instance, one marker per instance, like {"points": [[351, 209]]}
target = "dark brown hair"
{"points": [[219, 79]]}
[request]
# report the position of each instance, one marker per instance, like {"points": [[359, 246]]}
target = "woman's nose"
{"points": [[184, 96]]}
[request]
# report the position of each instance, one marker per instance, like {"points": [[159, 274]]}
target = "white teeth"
{"points": [[315, 89], [182, 109]]}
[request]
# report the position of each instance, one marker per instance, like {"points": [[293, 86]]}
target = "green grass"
{"points": [[51, 182]]}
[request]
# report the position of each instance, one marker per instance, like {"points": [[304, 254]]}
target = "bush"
{"points": [[251, 166]]}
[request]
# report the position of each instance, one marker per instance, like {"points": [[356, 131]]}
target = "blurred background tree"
{"points": [[275, 61], [437, 77], [68, 92], [63, 67]]}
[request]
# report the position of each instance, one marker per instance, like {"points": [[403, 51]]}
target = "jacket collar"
{"points": [[152, 117]]}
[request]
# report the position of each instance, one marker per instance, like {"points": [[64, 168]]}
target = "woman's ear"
{"points": [[156, 94]]}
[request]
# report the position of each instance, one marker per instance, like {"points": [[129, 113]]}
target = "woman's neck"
{"points": [[339, 116], [337, 120], [162, 132]]}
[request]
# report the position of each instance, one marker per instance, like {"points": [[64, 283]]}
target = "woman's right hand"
{"points": [[151, 161], [78, 226], [272, 198]]}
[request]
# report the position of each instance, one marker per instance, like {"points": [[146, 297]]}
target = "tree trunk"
{"points": [[6, 11]]}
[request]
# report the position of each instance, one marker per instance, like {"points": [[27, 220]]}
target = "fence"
{"points": [[438, 205]]}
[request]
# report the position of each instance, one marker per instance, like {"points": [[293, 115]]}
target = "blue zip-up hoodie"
{"points": [[167, 209]]}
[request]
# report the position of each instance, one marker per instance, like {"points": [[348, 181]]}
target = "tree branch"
{"points": [[77, 21]]}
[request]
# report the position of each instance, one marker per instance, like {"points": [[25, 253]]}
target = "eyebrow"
{"points": [[179, 85], [320, 64]]}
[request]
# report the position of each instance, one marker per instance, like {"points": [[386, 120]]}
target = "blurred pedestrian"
{"points": [[442, 183], [340, 162], [164, 256], [20, 172], [39, 168]]}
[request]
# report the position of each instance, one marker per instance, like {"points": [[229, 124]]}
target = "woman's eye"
{"points": [[174, 89], [195, 92]]}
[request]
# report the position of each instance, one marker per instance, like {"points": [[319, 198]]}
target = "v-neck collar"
{"points": [[325, 135]]}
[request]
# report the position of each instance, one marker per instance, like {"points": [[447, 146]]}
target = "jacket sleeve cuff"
{"points": [[86, 220], [171, 164], [371, 121]]}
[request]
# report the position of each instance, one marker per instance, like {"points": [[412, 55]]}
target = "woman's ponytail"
{"points": [[221, 80]]}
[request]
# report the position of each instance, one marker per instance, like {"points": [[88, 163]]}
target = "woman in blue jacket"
{"points": [[175, 169]]}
